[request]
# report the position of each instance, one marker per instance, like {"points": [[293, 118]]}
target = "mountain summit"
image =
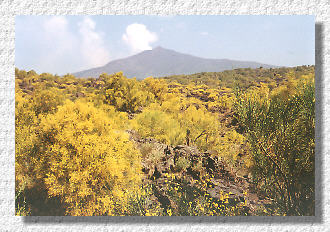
{"points": [[160, 62]]}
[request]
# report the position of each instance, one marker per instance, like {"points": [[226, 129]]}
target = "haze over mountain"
{"points": [[160, 62]]}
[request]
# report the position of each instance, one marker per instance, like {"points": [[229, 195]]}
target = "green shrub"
{"points": [[280, 130]]}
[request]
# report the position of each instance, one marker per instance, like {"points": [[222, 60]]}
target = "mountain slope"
{"points": [[164, 62]]}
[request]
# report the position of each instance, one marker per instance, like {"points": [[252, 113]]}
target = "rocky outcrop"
{"points": [[192, 165]]}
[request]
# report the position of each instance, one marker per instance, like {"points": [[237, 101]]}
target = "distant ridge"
{"points": [[160, 62]]}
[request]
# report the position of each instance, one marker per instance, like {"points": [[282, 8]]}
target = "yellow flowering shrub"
{"points": [[125, 94], [203, 126], [47, 101], [91, 165], [25, 139], [159, 125], [158, 87], [229, 146], [78, 150]]}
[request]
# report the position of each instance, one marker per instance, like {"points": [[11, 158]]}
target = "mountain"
{"points": [[160, 62]]}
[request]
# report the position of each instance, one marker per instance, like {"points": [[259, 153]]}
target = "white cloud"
{"points": [[138, 37], [93, 48], [58, 34], [59, 43], [204, 33], [68, 50]]}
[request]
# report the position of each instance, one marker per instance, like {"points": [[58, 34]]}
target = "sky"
{"points": [[67, 44]]}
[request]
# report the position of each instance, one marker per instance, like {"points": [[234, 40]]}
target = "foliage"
{"points": [[157, 87], [141, 203], [25, 139], [92, 166], [280, 130], [242, 77], [125, 94], [159, 125], [79, 149], [47, 101], [203, 126], [194, 200]]}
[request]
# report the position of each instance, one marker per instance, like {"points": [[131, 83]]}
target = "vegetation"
{"points": [[280, 129], [238, 142]]}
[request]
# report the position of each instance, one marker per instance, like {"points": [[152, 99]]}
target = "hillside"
{"points": [[232, 143], [164, 62], [242, 77]]}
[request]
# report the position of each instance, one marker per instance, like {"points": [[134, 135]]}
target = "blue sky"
{"points": [[66, 44]]}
